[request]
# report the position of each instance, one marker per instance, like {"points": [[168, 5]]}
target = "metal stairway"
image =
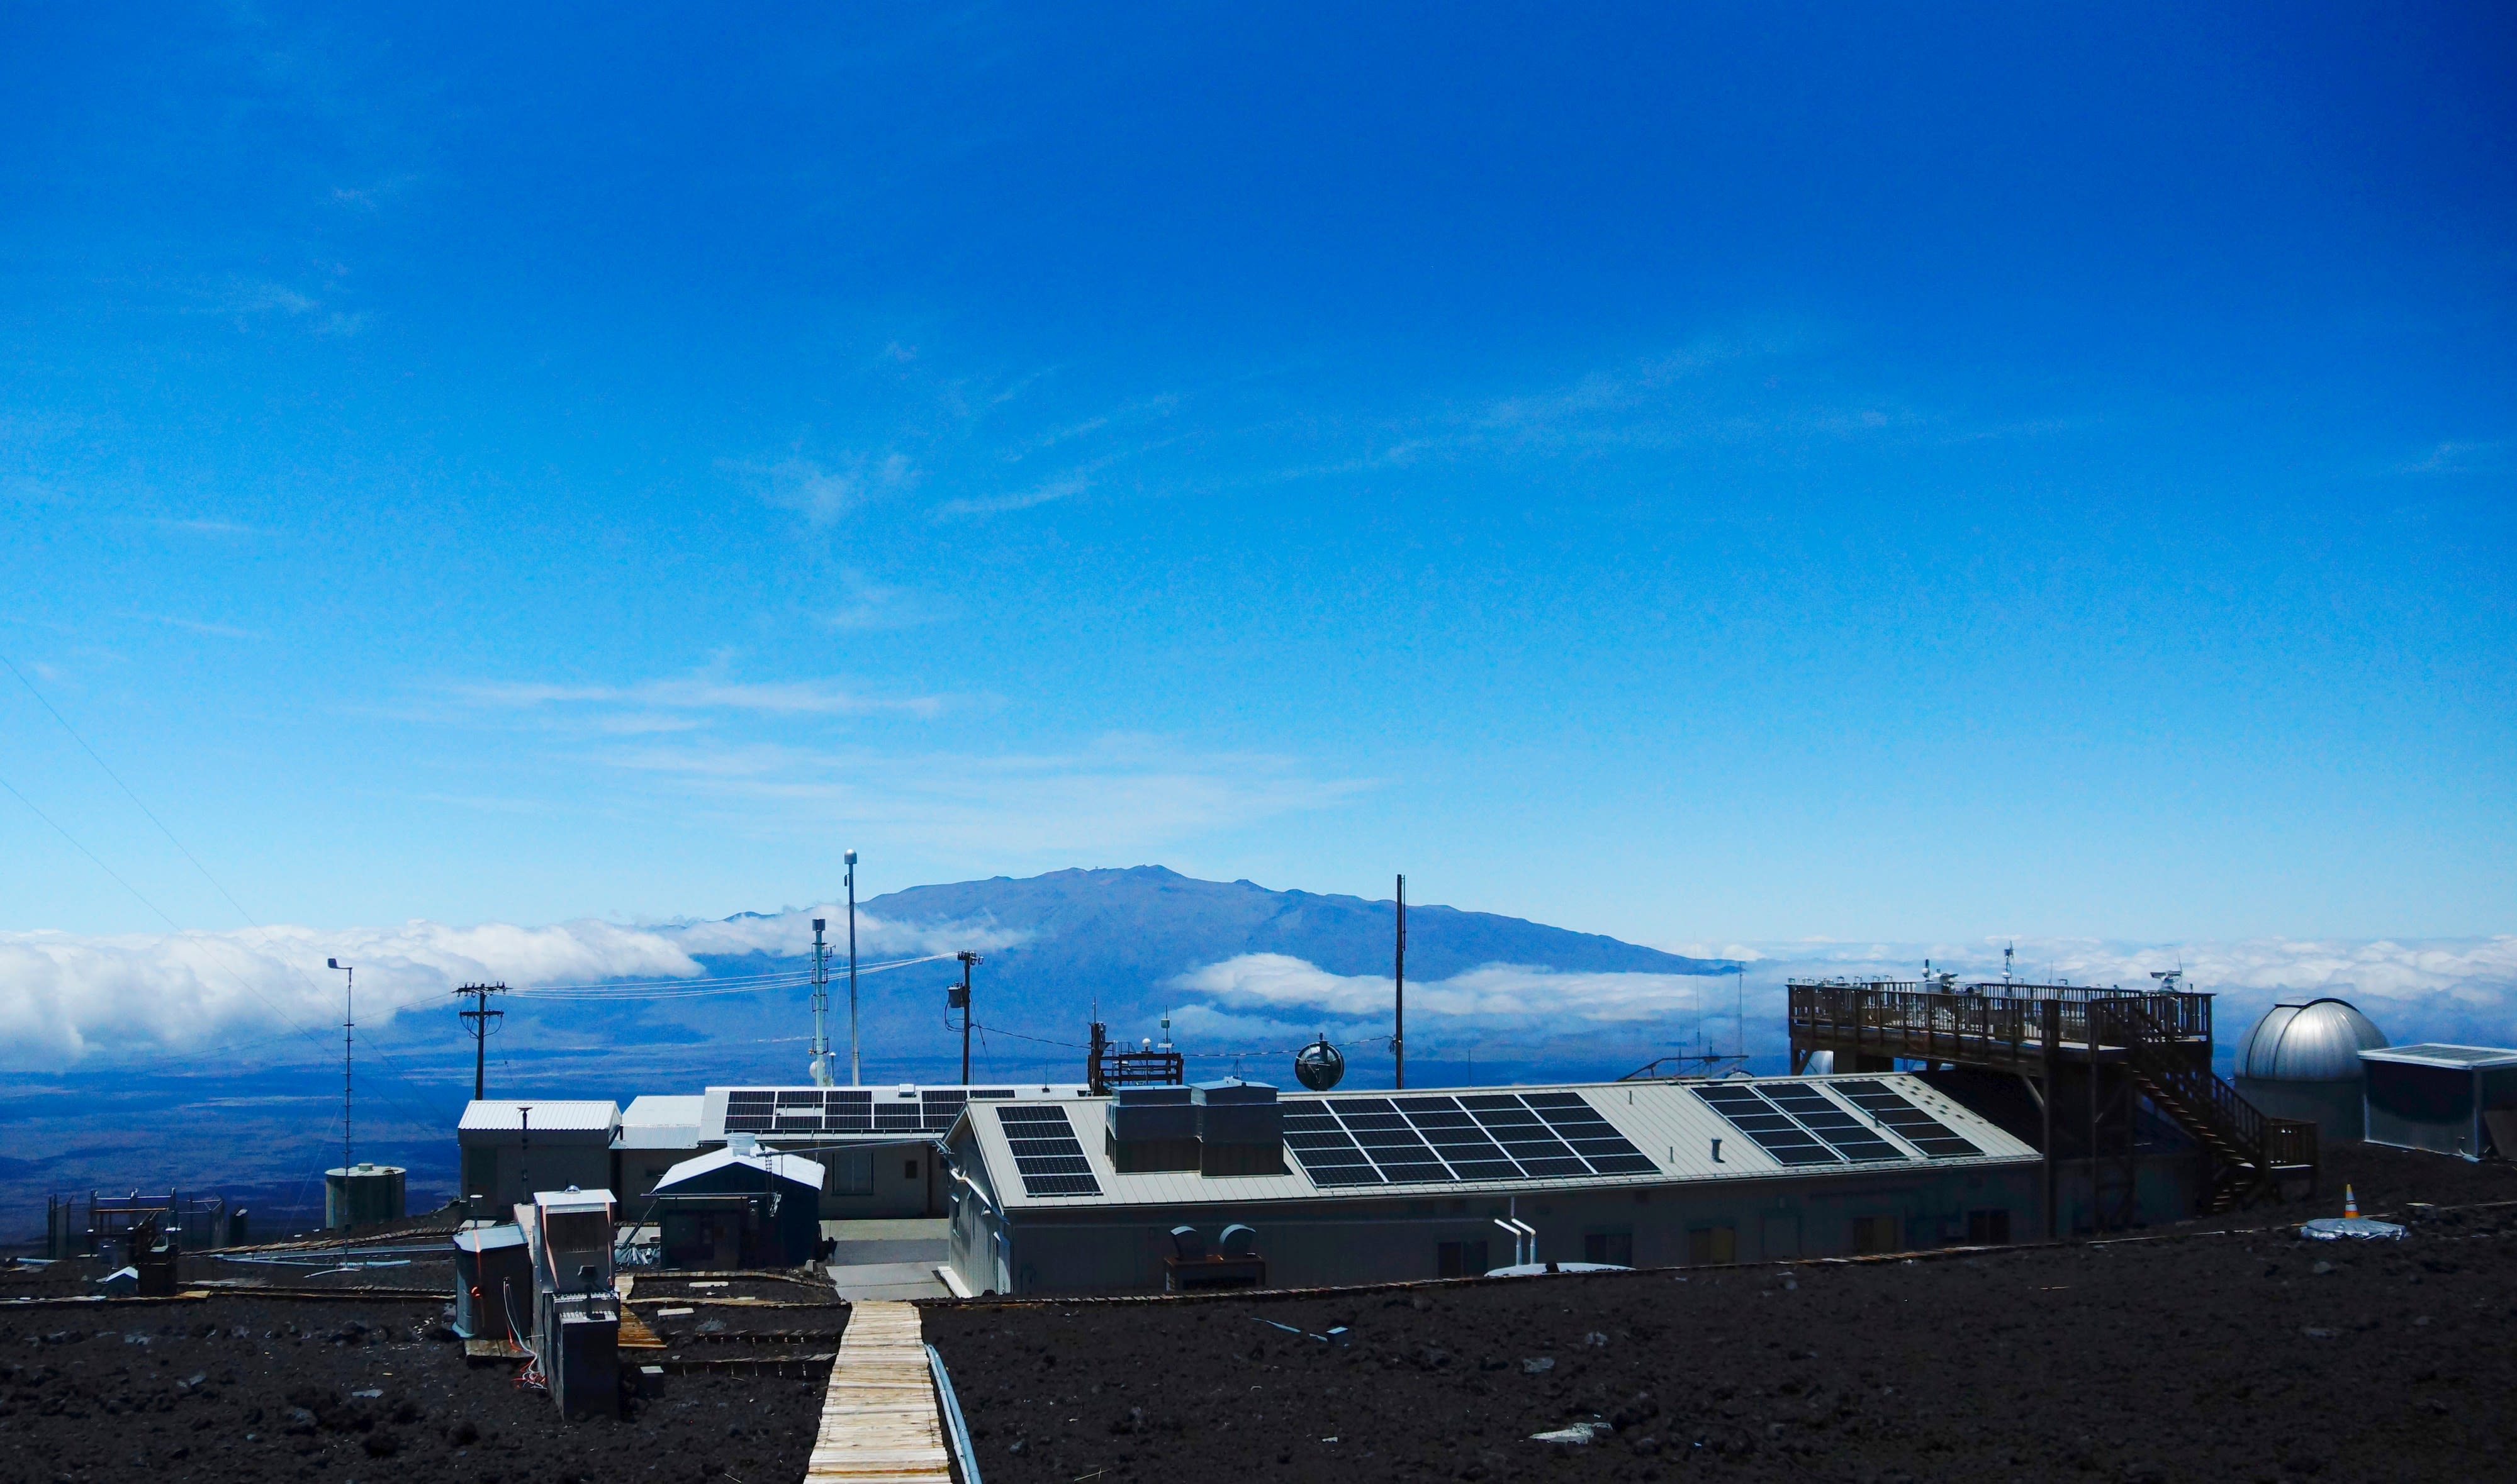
{"points": [[2248, 1151]]}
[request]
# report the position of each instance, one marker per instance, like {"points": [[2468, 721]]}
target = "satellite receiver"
{"points": [[1319, 1066]]}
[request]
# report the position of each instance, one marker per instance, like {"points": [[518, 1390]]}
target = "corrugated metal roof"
{"points": [[508, 1116], [788, 1166], [1666, 1121]]}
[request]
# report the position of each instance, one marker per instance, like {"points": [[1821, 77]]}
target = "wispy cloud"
{"points": [[703, 693], [2457, 457], [205, 527], [198, 627], [1059, 488], [825, 494], [1120, 793], [865, 606]]}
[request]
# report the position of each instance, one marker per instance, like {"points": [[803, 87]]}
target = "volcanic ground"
{"points": [[2185, 1353]]}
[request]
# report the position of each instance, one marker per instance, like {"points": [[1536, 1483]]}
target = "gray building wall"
{"points": [[2335, 1108], [495, 1165], [1092, 1248]]}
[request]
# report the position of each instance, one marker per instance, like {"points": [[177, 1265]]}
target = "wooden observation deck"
{"points": [[2110, 1047]]}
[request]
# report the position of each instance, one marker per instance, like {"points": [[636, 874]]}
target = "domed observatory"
{"points": [[2302, 1061]]}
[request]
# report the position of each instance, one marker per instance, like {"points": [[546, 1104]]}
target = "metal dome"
{"points": [[2318, 1041]]}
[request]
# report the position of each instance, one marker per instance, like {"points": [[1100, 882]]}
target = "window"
{"points": [[1459, 1259], [1875, 1234], [1616, 1247], [847, 1171], [1713, 1244], [1988, 1228], [909, 1170]]}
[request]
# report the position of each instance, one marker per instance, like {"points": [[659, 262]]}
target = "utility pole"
{"points": [[1398, 1034], [821, 1068], [348, 988], [962, 1000], [480, 1016], [856, 1069]]}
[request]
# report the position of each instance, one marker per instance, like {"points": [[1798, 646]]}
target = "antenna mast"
{"points": [[349, 989], [856, 1069], [1399, 972], [821, 1068]]}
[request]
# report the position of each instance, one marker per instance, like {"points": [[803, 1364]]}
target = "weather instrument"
{"points": [[1319, 1066]]}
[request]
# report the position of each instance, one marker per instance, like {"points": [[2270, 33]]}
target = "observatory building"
{"points": [[2302, 1061], [1069, 1195]]}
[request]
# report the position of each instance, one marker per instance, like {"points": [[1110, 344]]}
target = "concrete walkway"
{"points": [[878, 1418], [888, 1259], [862, 1281]]}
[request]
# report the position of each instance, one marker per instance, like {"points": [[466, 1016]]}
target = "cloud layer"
{"points": [[2464, 989], [66, 997]]}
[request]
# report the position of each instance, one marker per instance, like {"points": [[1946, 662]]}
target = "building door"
{"points": [[1614, 1248], [1713, 1244], [1459, 1259], [1779, 1237]]}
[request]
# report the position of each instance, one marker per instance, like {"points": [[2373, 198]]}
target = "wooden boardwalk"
{"points": [[878, 1420]]}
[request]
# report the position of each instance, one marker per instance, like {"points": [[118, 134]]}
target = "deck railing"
{"points": [[1978, 1016]]}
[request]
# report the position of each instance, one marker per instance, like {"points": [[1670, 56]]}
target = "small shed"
{"points": [[2460, 1100], [738, 1207], [512, 1147], [493, 1275]]}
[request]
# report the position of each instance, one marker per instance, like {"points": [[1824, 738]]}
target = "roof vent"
{"points": [[1188, 1244], [1240, 1240]]}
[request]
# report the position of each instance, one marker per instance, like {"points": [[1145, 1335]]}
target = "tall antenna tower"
{"points": [[856, 1069], [1399, 972], [1739, 1016], [348, 988], [821, 1066]]}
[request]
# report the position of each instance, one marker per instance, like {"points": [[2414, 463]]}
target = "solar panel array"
{"points": [[1474, 1136], [1798, 1124], [1046, 1152], [1912, 1124], [847, 1110]]}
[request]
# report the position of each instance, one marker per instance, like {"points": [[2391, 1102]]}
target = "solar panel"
{"points": [[1763, 1122], [1925, 1132], [811, 1097], [1424, 1139], [1817, 1112], [1047, 1154]]}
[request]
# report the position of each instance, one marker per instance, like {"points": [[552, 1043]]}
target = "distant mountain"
{"points": [[1118, 939], [1132, 929]]}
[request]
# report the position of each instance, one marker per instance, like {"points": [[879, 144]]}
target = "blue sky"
{"points": [[1693, 472]]}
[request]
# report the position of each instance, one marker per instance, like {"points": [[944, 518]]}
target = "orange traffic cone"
{"points": [[2350, 1202]]}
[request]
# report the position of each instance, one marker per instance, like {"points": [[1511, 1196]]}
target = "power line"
{"points": [[126, 790], [175, 927]]}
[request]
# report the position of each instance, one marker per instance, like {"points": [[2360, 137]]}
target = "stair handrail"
{"points": [[2261, 1142]]}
